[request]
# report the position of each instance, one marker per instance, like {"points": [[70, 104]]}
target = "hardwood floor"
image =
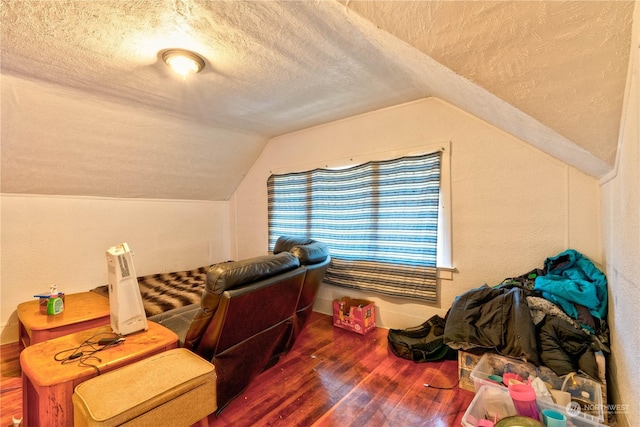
{"points": [[10, 384], [331, 377]]}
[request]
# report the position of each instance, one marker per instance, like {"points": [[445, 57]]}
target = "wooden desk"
{"points": [[47, 385], [81, 311]]}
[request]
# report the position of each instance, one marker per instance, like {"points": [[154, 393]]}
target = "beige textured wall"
{"points": [[512, 205], [62, 240], [621, 225]]}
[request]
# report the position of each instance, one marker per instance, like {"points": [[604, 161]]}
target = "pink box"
{"points": [[355, 315]]}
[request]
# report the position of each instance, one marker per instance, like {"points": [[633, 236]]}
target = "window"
{"points": [[379, 219]]}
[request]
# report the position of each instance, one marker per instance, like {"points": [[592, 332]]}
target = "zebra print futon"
{"points": [[165, 291]]}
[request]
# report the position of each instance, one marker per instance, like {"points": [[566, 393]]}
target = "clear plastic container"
{"points": [[495, 364], [492, 403], [584, 391], [495, 403]]}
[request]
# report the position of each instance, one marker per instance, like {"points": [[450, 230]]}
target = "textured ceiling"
{"points": [[83, 86], [563, 63]]}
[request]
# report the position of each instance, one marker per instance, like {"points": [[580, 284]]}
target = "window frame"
{"points": [[444, 260]]}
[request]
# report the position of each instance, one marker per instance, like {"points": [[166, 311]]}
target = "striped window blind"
{"points": [[379, 219]]}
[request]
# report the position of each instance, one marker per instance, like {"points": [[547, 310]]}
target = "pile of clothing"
{"points": [[555, 316]]}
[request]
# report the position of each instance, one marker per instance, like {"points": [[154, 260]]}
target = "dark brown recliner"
{"points": [[315, 257], [251, 311], [246, 310]]}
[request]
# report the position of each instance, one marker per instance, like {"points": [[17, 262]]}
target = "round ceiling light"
{"points": [[183, 61]]}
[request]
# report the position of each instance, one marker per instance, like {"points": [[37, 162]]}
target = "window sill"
{"points": [[446, 273]]}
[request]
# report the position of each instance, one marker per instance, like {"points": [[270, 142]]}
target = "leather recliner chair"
{"points": [[251, 312]]}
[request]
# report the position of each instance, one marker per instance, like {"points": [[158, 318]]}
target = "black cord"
{"points": [[442, 388], [87, 349], [76, 352], [83, 362]]}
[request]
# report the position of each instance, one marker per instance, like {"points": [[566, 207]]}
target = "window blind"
{"points": [[379, 219]]}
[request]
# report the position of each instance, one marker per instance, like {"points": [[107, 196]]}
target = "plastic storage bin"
{"points": [[495, 364], [494, 403], [489, 403], [584, 391]]}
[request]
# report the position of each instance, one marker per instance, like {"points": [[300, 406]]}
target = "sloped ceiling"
{"points": [[88, 107]]}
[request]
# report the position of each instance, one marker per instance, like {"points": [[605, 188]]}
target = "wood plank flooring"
{"points": [[331, 377], [10, 384]]}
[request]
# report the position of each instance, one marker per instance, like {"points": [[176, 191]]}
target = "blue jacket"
{"points": [[572, 279]]}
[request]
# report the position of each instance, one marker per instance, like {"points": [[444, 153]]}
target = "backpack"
{"points": [[423, 343]]}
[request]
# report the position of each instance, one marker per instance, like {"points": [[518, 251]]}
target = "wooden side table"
{"points": [[48, 385], [81, 311]]}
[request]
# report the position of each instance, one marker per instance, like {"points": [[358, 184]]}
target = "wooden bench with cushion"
{"points": [[174, 388]]}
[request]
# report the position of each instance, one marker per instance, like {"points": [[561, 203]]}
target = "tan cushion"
{"points": [[176, 387]]}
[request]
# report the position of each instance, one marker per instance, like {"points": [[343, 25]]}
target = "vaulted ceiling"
{"points": [[86, 97]]}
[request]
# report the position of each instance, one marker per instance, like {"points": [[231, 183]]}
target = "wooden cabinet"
{"points": [[48, 384], [81, 311]]}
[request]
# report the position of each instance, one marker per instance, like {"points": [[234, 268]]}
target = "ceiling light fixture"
{"points": [[183, 61]]}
